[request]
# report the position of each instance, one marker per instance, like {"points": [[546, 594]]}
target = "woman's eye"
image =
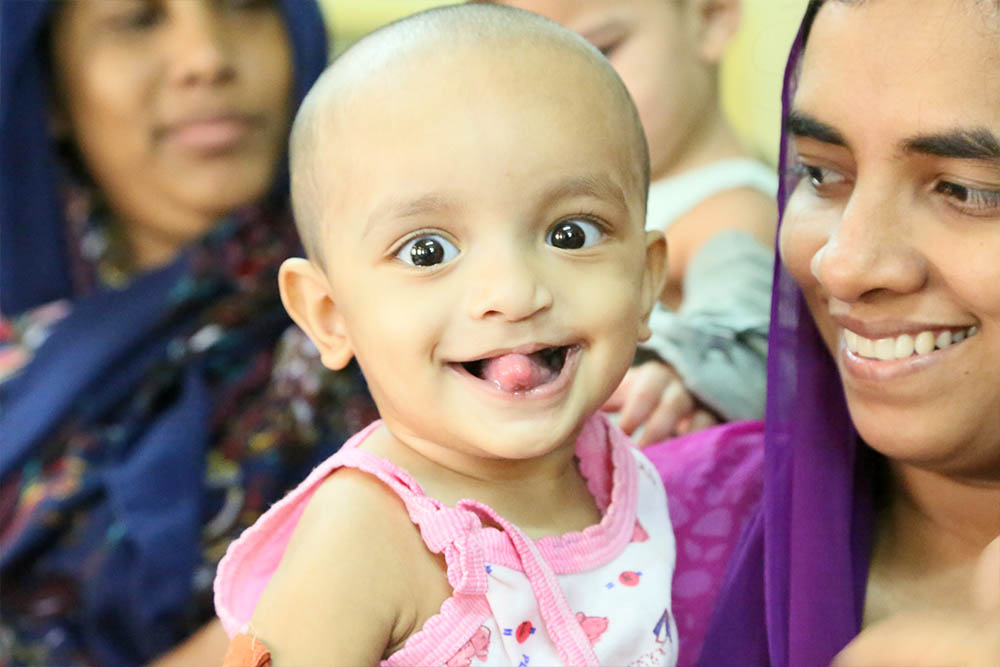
{"points": [[135, 16], [574, 234], [247, 4], [973, 200], [819, 177], [427, 250]]}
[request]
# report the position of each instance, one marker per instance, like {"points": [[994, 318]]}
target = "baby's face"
{"points": [[487, 252], [654, 48]]}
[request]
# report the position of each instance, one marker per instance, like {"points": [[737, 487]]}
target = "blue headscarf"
{"points": [[34, 249], [154, 422]]}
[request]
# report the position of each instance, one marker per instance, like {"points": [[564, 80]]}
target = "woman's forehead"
{"points": [[906, 65]]}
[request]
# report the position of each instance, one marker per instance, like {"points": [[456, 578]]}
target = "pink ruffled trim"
{"points": [[251, 560]]}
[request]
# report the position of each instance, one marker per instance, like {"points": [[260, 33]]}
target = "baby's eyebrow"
{"points": [[597, 186], [408, 208], [977, 143]]}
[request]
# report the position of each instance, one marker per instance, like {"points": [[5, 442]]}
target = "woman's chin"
{"points": [[947, 444]]}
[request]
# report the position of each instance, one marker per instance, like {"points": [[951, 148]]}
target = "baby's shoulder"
{"points": [[351, 517], [743, 208], [342, 568]]}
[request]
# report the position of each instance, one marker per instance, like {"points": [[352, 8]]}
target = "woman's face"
{"points": [[893, 231], [179, 109]]}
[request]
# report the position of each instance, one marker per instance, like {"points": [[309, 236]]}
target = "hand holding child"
{"points": [[653, 396]]}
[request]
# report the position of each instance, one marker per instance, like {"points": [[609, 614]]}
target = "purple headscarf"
{"points": [[794, 591]]}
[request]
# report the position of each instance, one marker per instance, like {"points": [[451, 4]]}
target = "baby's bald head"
{"points": [[472, 50]]}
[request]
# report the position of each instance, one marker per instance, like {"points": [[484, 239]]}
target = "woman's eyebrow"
{"points": [[803, 125], [977, 143]]}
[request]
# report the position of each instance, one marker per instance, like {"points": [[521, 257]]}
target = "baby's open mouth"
{"points": [[515, 372]]}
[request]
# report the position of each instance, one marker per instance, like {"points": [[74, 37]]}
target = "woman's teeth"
{"points": [[901, 347]]}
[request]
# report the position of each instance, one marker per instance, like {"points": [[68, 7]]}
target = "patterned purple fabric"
{"points": [[793, 593], [713, 481]]}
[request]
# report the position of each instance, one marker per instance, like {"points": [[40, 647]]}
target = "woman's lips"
{"points": [[889, 358], [903, 346], [210, 135]]}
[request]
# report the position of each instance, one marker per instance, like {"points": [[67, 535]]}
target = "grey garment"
{"points": [[717, 340]]}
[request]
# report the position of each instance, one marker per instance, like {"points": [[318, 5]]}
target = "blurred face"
{"points": [[893, 232], [487, 253], [179, 109], [651, 44]]}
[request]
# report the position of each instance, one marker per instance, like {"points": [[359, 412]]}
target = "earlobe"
{"points": [[654, 278], [718, 21], [305, 292]]}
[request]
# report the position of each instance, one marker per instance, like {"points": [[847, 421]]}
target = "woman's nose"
{"points": [[508, 285], [199, 51], [870, 249]]}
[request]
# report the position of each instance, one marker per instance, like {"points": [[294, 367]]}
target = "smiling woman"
{"points": [[155, 399], [158, 100], [878, 538]]}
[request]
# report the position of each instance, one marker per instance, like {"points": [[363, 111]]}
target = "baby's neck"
{"points": [[713, 140], [542, 496]]}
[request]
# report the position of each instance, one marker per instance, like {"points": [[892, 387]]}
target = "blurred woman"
{"points": [[155, 399]]}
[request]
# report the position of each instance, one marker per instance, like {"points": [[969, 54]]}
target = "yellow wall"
{"points": [[753, 69], [750, 78]]}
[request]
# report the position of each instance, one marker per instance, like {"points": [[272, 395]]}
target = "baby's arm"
{"points": [[740, 209], [337, 598]]}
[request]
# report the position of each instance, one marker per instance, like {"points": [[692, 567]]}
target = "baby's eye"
{"points": [[427, 250], [573, 234]]}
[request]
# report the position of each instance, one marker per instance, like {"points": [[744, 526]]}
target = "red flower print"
{"points": [[629, 578], [593, 626]]}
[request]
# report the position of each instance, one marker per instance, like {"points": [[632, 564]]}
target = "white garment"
{"points": [[670, 198]]}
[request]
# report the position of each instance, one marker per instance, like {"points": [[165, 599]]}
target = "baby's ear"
{"points": [[654, 278], [717, 21], [305, 291]]}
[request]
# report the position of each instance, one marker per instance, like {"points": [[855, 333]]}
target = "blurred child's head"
{"points": [[666, 51], [470, 185]]}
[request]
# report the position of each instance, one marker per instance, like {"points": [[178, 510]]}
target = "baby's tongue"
{"points": [[517, 372]]}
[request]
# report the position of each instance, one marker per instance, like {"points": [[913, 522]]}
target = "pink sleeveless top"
{"points": [[600, 596]]}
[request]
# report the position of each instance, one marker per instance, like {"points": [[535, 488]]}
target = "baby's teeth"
{"points": [[924, 342], [943, 340], [973, 331], [885, 349], [904, 346]]}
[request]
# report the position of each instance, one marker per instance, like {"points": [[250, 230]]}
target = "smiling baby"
{"points": [[470, 187]]}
